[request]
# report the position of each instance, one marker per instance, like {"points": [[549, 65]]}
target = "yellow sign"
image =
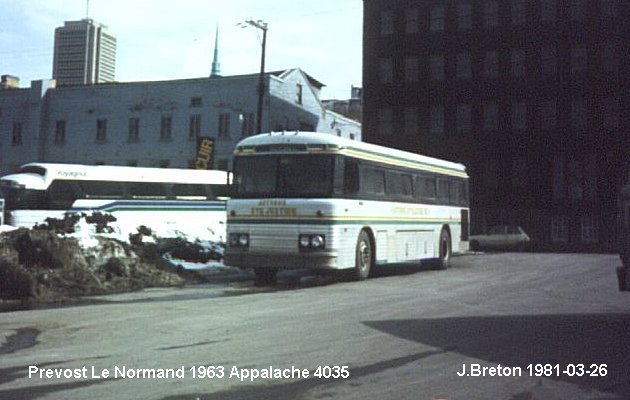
{"points": [[274, 212], [205, 153]]}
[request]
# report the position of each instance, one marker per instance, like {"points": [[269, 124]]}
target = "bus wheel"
{"points": [[363, 260], [265, 276], [445, 249]]}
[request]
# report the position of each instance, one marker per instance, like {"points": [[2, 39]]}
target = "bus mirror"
{"points": [[230, 181]]}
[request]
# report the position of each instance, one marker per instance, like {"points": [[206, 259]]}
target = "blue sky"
{"points": [[166, 39]]}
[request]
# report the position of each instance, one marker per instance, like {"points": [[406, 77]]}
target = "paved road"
{"points": [[402, 335]]}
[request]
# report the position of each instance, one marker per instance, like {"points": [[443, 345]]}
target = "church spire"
{"points": [[216, 66]]}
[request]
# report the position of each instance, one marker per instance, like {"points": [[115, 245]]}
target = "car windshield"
{"points": [[288, 176], [497, 230]]}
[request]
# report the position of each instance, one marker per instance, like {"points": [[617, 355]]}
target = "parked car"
{"points": [[501, 237]]}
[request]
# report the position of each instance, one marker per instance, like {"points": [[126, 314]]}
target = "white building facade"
{"points": [[156, 124]]}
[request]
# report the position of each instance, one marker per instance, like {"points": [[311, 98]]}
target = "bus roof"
{"points": [[40, 175], [314, 142]]}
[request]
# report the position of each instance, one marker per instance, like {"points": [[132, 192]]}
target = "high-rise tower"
{"points": [[85, 53]]}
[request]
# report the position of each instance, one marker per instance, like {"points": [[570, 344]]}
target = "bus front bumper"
{"points": [[311, 260]]}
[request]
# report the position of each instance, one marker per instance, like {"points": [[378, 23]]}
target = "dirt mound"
{"points": [[44, 265]]}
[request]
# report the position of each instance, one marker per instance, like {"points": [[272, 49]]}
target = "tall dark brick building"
{"points": [[532, 95]]}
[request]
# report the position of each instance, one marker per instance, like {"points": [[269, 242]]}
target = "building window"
{"points": [[386, 70], [411, 21], [437, 67], [490, 14], [195, 102], [590, 177], [548, 115], [517, 60], [385, 121], [491, 117], [247, 127], [577, 10], [578, 61], [548, 11], [491, 175], [558, 178], [575, 179], [60, 132], [194, 126], [387, 22], [298, 93], [436, 22], [519, 12], [610, 58], [410, 117], [411, 69], [548, 61], [610, 118], [164, 163], [579, 114], [464, 16], [609, 9], [491, 64], [224, 125], [463, 118], [16, 137], [166, 127], [588, 229], [101, 130], [559, 229], [437, 120], [520, 176], [519, 116], [463, 69], [134, 130]]}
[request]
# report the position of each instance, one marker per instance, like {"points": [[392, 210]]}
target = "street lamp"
{"points": [[261, 80]]}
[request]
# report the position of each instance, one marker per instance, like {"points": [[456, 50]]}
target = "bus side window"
{"points": [[188, 190], [443, 190], [147, 190], [102, 189], [426, 189], [351, 177], [62, 194], [399, 185], [373, 181]]}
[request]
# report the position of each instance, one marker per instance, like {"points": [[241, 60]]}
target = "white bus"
{"points": [[313, 200], [163, 199]]}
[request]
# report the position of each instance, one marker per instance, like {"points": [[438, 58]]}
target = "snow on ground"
{"points": [[208, 237], [7, 228]]}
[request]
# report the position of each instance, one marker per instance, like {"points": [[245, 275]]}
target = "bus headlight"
{"points": [[239, 240], [311, 242], [304, 241], [317, 241]]}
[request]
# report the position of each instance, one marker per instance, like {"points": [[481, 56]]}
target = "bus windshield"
{"points": [[287, 176], [22, 199]]}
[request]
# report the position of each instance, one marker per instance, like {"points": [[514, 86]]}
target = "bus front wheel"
{"points": [[363, 257]]}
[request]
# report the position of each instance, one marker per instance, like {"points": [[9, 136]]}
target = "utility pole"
{"points": [[261, 80]]}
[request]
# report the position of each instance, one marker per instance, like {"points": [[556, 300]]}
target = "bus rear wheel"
{"points": [[364, 259], [446, 249]]}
